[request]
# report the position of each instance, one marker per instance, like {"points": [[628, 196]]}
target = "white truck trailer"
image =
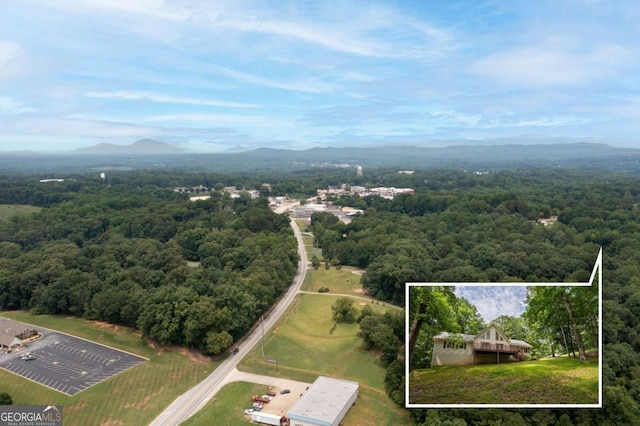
{"points": [[266, 418]]}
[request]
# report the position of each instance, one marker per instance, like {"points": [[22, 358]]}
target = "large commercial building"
{"points": [[325, 403]]}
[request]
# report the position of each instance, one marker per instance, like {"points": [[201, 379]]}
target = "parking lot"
{"points": [[67, 364]]}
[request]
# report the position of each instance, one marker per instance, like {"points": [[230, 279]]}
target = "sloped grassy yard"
{"points": [[547, 381]]}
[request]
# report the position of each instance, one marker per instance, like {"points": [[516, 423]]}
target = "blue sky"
{"points": [[493, 301], [223, 75]]}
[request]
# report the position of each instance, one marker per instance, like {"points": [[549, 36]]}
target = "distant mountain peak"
{"points": [[140, 147]]}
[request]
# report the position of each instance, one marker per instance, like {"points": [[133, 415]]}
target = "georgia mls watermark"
{"points": [[30, 415]]}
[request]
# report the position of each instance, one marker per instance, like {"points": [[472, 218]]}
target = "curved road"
{"points": [[195, 398]]}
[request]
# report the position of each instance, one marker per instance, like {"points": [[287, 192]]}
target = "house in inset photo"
{"points": [[490, 346]]}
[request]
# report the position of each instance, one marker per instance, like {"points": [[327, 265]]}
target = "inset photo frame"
{"points": [[504, 345]]}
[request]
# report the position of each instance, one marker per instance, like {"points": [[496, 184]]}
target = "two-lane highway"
{"points": [[195, 398]]}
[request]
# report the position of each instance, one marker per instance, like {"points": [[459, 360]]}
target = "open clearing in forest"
{"points": [[8, 210], [559, 380], [339, 281]]}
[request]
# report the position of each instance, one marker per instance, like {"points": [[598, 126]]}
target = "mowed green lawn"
{"points": [[228, 408], [134, 397], [341, 281], [8, 210], [305, 348], [547, 381]]}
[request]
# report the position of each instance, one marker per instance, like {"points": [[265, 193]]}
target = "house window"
{"points": [[453, 345]]}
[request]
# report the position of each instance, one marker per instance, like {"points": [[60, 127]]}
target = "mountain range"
{"points": [[148, 153]]}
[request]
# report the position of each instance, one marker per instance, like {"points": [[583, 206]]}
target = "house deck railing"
{"points": [[495, 347]]}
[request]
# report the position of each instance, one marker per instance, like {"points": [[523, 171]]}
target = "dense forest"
{"points": [[472, 228], [119, 251], [119, 254]]}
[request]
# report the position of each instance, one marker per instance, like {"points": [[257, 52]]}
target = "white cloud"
{"points": [[493, 301], [11, 106], [11, 58], [309, 85], [548, 64], [79, 127], [263, 121], [9, 50], [155, 97], [149, 8]]}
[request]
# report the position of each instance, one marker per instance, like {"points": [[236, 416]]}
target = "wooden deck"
{"points": [[495, 347]]}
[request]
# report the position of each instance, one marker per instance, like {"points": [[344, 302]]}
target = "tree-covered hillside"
{"points": [[119, 254]]}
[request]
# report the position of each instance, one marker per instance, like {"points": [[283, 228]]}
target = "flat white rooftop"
{"points": [[325, 402]]}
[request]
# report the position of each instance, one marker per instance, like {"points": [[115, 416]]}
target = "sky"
{"points": [[217, 76], [493, 301]]}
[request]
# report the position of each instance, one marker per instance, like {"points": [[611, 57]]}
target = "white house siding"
{"points": [[450, 356], [488, 343]]}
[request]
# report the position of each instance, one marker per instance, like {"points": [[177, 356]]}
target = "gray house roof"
{"points": [[470, 337], [446, 335]]}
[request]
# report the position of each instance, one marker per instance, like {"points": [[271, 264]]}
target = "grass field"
{"points": [[228, 408], [309, 248], [547, 381], [8, 210], [341, 281], [304, 348], [134, 397]]}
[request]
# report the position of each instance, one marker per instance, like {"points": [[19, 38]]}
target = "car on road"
{"points": [[283, 391], [236, 350]]}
